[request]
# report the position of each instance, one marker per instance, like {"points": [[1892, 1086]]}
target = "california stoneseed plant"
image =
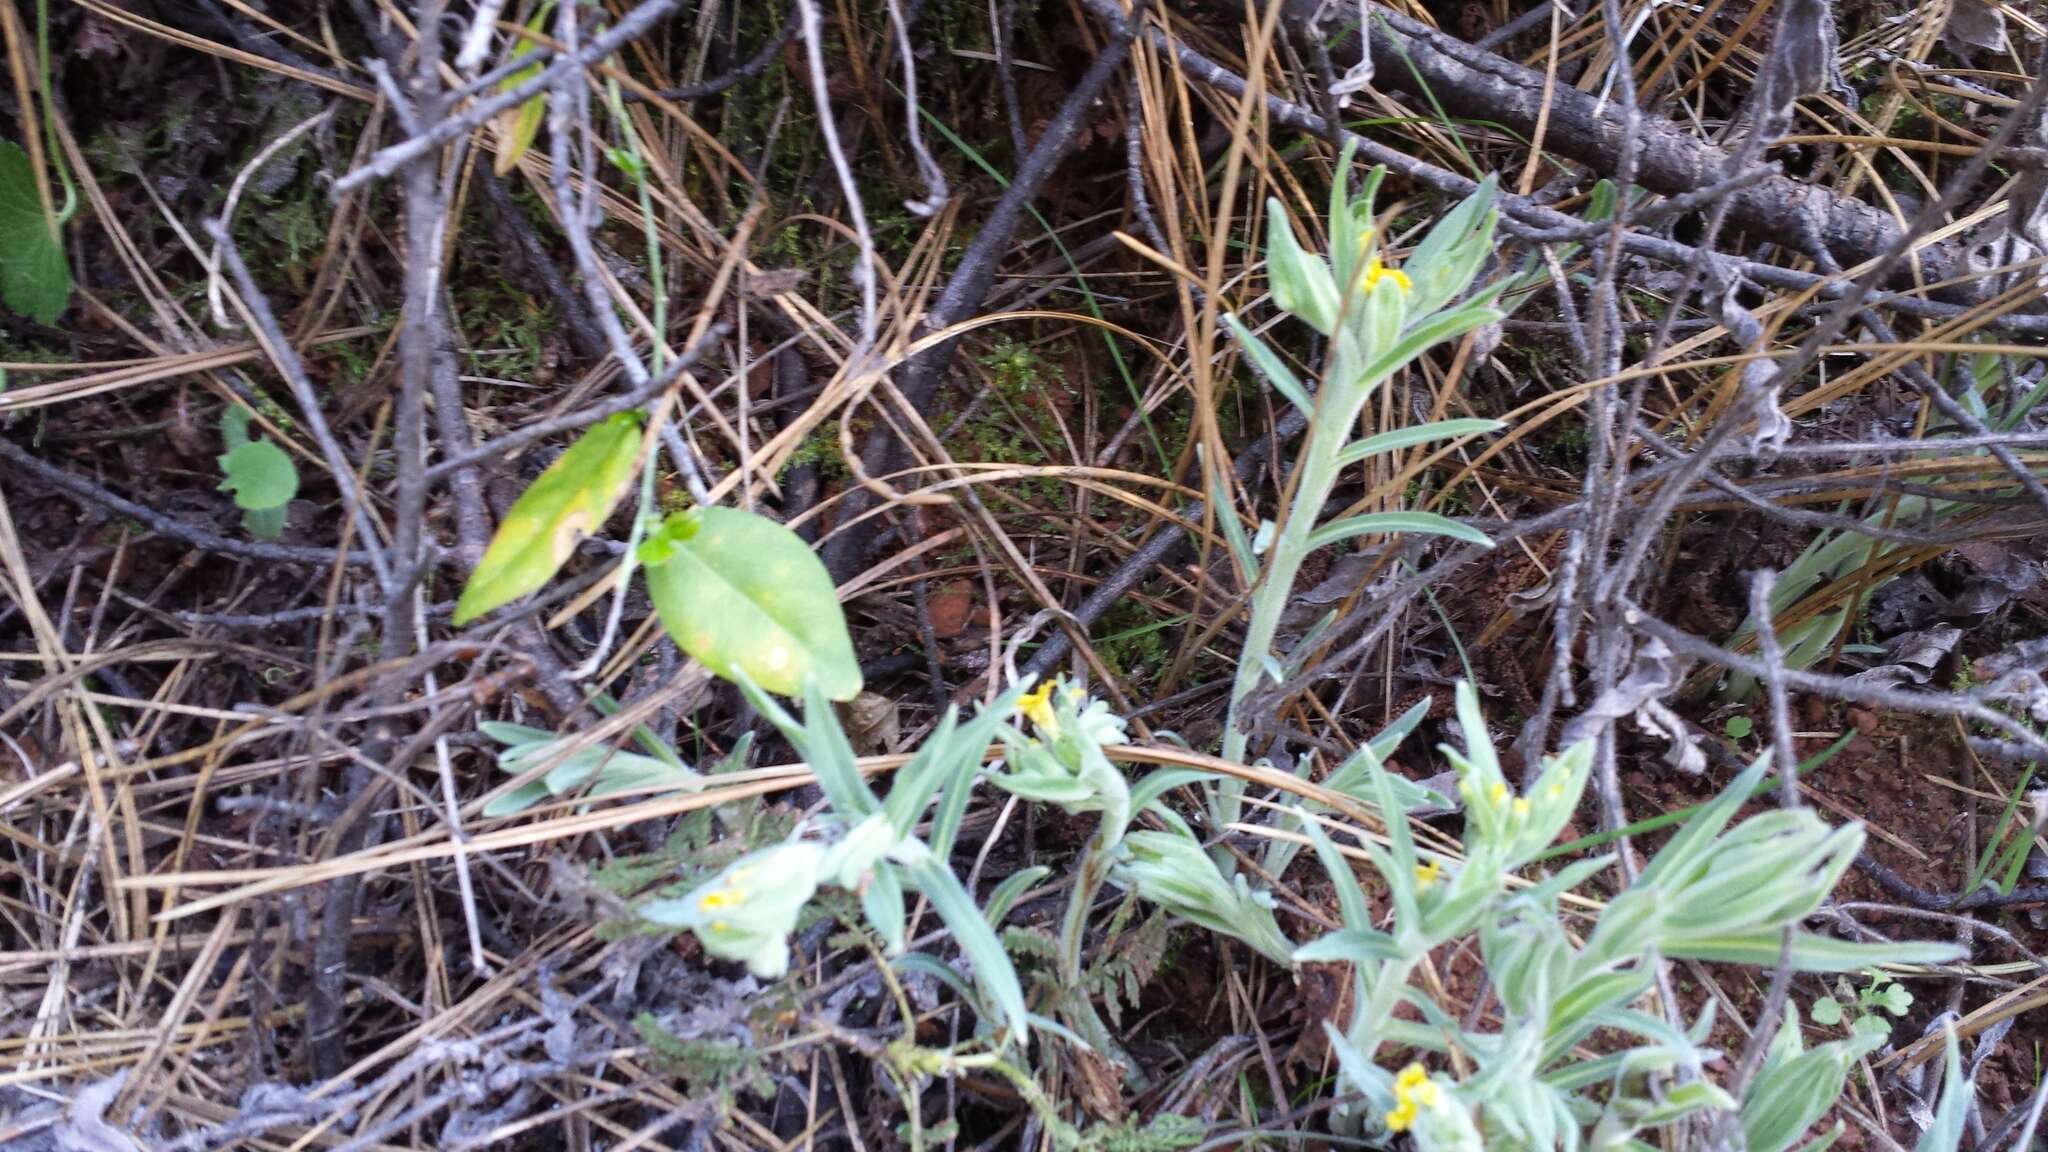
{"points": [[1574, 1048]]}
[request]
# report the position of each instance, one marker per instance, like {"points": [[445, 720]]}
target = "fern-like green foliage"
{"points": [[704, 1065], [1163, 1133]]}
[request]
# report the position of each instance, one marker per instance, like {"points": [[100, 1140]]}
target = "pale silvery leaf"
{"points": [[1171, 870], [1300, 281], [1795, 1088]]}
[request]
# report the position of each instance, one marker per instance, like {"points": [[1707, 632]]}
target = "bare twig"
{"points": [[635, 23]]}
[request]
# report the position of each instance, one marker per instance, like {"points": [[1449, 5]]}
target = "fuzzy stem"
{"points": [[1315, 476], [1096, 858]]}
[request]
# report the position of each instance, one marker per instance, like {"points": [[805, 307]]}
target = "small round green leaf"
{"points": [[570, 500], [739, 592], [260, 475]]}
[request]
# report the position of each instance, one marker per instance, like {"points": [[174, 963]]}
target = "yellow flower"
{"points": [[1037, 705], [1427, 874], [1375, 272], [1521, 807], [1498, 794], [1413, 1091], [1402, 1117], [1557, 791], [721, 898]]}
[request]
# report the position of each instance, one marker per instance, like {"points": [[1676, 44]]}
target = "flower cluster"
{"points": [[747, 911], [1413, 1091], [1430, 1114], [1060, 760]]}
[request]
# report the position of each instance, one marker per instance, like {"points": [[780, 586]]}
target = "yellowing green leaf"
{"points": [[518, 126], [34, 277], [741, 593], [570, 500]]}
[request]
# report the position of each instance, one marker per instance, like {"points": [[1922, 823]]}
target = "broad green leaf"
{"points": [[1396, 523], [570, 500], [518, 126], [34, 277], [1894, 999], [741, 593]]}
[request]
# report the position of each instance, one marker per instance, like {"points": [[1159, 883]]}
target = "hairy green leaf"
{"points": [[1401, 438], [259, 473], [1396, 523]]}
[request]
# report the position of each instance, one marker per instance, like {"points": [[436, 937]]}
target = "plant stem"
{"points": [[1315, 476], [1096, 858]]}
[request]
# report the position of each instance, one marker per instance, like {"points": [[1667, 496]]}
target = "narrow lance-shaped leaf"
{"points": [[739, 592], [977, 940], [1401, 438], [568, 501], [1272, 367], [1810, 952], [1395, 523], [518, 126]]}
